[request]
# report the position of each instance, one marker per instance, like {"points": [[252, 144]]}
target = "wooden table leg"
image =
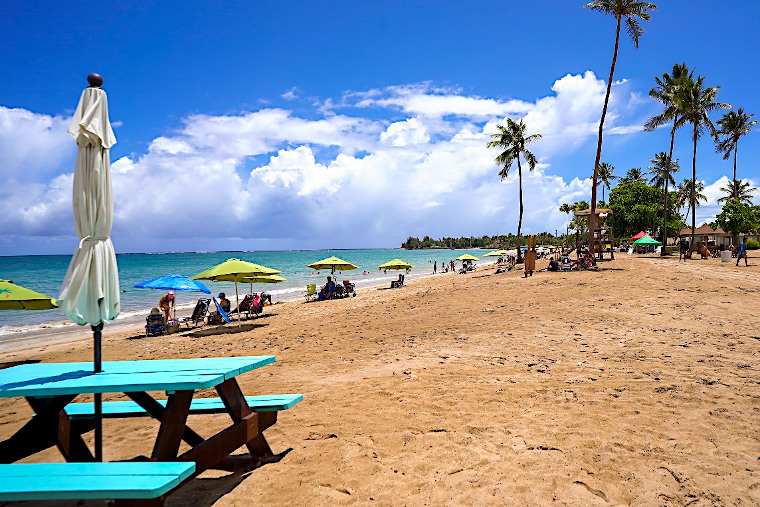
{"points": [[156, 410], [50, 426], [173, 424], [230, 393]]}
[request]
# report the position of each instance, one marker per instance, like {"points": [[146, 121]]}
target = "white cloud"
{"points": [[340, 180]]}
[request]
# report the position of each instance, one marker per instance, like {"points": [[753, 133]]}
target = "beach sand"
{"points": [[638, 384]]}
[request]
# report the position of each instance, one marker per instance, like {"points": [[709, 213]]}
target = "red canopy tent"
{"points": [[638, 236]]}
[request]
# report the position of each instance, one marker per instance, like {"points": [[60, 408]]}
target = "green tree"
{"points": [[737, 217], [637, 206], [733, 126], [738, 189], [662, 170], [605, 176], [631, 11], [513, 140], [667, 92], [696, 103]]}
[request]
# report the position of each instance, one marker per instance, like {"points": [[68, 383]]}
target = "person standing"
{"points": [[435, 267], [166, 303], [742, 251]]}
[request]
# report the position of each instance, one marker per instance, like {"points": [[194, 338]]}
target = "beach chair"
{"points": [[258, 303], [155, 325], [349, 288], [311, 292], [246, 305], [199, 312]]}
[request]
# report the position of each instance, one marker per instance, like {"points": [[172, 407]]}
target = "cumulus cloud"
{"points": [[270, 177]]}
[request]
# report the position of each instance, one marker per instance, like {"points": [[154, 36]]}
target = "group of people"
{"points": [[168, 302], [586, 261]]}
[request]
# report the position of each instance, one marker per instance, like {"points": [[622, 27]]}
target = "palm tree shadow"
{"points": [[207, 491]]}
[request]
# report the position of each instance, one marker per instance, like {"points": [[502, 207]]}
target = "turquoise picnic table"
{"points": [[50, 389]]}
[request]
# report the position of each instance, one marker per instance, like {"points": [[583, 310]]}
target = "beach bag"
{"points": [[172, 326]]}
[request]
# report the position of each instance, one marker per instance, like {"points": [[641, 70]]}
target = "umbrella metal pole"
{"points": [[96, 333], [237, 302]]}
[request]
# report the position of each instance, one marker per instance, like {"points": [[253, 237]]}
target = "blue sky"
{"points": [[268, 125]]}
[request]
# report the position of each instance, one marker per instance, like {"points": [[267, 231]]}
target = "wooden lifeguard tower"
{"points": [[603, 236]]}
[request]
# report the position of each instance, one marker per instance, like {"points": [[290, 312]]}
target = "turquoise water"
{"points": [[44, 273]]}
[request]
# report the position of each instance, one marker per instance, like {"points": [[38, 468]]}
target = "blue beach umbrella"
{"points": [[173, 282]]}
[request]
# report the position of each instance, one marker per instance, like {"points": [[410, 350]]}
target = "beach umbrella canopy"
{"points": [[90, 290], [263, 279], [334, 264], [15, 297], [467, 257], [173, 282], [647, 240], [496, 253], [396, 264], [638, 236], [234, 270]]}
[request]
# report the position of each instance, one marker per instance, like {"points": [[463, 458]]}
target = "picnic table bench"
{"points": [[85, 481], [51, 387]]}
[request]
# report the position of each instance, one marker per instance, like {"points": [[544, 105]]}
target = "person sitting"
{"points": [[327, 290], [224, 303], [567, 265], [553, 265]]}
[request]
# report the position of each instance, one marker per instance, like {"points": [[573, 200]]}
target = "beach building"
{"points": [[717, 238]]}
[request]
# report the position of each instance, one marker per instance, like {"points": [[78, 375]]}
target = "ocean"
{"points": [[44, 273]]}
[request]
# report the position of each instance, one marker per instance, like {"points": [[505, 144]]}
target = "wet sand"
{"points": [[638, 384]]}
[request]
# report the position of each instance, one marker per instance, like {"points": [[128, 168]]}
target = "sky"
{"points": [[308, 125]]}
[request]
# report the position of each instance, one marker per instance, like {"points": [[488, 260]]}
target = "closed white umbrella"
{"points": [[90, 290]]}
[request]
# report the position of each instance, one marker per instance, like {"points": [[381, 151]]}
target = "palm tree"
{"points": [[738, 189], [605, 176], [632, 11], [566, 209], [634, 175], [733, 125], [662, 170], [667, 93], [513, 140], [684, 195], [696, 102]]}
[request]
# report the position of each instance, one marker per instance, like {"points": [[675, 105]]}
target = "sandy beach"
{"points": [[638, 384]]}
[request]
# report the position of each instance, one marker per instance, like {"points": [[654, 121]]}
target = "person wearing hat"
{"points": [[224, 302], [166, 303]]}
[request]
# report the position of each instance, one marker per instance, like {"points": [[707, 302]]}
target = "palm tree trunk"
{"points": [[592, 216], [736, 187], [519, 223], [667, 181], [693, 183]]}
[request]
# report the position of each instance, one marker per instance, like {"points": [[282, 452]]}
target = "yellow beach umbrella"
{"points": [[263, 279], [496, 253], [334, 264], [234, 270], [467, 257], [396, 264], [15, 297]]}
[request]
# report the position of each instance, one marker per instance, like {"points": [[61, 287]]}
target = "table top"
{"points": [[53, 379]]}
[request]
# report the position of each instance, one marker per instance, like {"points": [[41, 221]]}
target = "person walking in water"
{"points": [[742, 252]]}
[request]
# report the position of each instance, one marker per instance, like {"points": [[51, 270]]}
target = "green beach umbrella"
{"points": [[467, 257], [496, 253], [647, 240], [15, 297], [396, 264], [234, 270], [334, 264], [263, 279]]}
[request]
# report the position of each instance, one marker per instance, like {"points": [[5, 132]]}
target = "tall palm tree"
{"points": [[696, 102], [605, 176], [733, 125], [738, 189], [632, 11], [513, 140], [662, 170], [634, 175], [667, 93], [566, 209]]}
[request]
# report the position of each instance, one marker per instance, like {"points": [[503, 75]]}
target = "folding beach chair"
{"points": [[199, 312], [155, 325], [311, 292]]}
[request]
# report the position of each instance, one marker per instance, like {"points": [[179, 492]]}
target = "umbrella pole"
{"points": [[96, 333], [237, 302]]}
